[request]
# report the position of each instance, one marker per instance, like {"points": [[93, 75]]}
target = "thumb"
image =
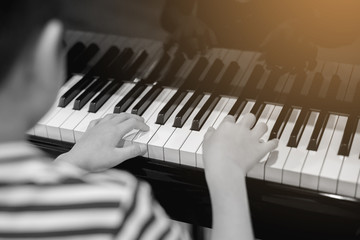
{"points": [[131, 151], [209, 133], [271, 145]]}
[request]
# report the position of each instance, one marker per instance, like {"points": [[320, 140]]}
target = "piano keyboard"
{"points": [[314, 114]]}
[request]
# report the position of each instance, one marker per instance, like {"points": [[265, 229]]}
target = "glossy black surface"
{"points": [[94, 72], [278, 211]]}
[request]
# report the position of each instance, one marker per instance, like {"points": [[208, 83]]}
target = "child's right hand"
{"points": [[232, 149], [98, 149]]}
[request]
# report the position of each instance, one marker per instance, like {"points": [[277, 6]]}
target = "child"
{"points": [[76, 196]]}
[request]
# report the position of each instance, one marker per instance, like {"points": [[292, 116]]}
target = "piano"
{"points": [[308, 188]]}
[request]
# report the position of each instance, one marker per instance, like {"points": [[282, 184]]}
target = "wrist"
{"points": [[230, 186]]}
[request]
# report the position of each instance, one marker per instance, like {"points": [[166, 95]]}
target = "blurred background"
{"points": [[339, 20]]}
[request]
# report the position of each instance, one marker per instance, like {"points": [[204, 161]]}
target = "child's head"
{"points": [[31, 63]]}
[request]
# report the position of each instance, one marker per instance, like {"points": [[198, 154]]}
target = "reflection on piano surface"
{"points": [[312, 178]]}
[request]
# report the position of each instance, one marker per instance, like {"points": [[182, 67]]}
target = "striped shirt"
{"points": [[41, 199]]}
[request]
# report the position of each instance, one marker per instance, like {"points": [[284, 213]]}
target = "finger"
{"points": [[130, 124], [248, 120], [93, 123], [129, 151], [270, 145], [229, 118], [119, 118], [108, 117], [209, 133], [259, 130]]}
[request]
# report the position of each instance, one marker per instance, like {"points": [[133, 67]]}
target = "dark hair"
{"points": [[20, 22]]}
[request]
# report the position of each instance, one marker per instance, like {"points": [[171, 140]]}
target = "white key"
{"points": [[332, 165], [67, 128], [53, 126], [314, 160], [31, 131], [127, 139], [358, 187], [249, 105], [40, 127], [351, 168], [258, 170], [157, 142], [193, 142], [277, 158], [159, 103], [223, 114], [297, 156], [108, 107], [173, 145]]}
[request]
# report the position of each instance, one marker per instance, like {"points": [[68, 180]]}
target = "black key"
{"points": [[154, 92], [146, 101], [254, 79], [298, 85], [81, 61], [192, 80], [228, 75], [174, 67], [281, 122], [333, 88], [72, 54], [189, 83], [169, 108], [209, 79], [97, 70], [348, 136], [116, 69], [267, 91], [104, 95], [351, 125], [257, 109], [210, 104], [158, 67], [130, 70], [75, 51], [248, 91], [323, 118], [237, 108], [107, 92], [211, 75], [136, 91], [95, 87], [188, 108], [318, 131], [299, 127], [129, 98], [204, 112], [316, 85]]}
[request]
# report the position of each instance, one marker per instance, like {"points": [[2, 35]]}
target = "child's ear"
{"points": [[48, 57]]}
